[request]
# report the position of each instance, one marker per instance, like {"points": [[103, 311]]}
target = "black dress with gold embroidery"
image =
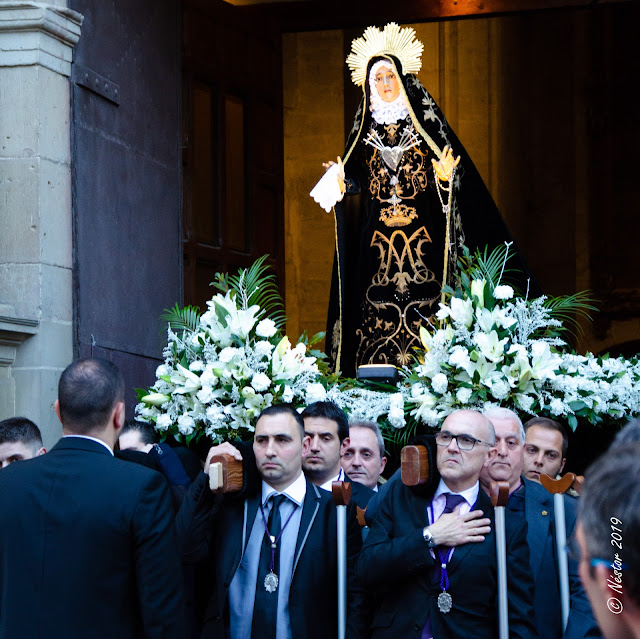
{"points": [[391, 230]]}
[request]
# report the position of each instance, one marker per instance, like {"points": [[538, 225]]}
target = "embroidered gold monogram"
{"points": [[402, 294]]}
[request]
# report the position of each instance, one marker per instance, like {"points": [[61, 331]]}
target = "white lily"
{"points": [[490, 346], [155, 399], [477, 290]]}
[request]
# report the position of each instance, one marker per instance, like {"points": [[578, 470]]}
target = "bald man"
{"points": [[430, 557]]}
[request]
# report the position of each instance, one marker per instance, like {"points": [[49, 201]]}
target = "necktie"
{"points": [[452, 502], [265, 607]]}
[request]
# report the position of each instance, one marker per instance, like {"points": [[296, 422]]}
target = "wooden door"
{"points": [[232, 145]]}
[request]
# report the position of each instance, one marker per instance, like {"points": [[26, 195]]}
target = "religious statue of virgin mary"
{"points": [[414, 198]]}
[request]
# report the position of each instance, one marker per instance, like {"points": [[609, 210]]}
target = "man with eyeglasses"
{"points": [[430, 557], [607, 536], [531, 501]]}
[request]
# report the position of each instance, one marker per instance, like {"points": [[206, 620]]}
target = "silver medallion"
{"points": [[444, 602], [271, 582]]}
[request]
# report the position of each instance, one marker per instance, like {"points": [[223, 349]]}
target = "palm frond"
{"points": [[570, 309], [491, 266], [182, 319], [255, 285]]}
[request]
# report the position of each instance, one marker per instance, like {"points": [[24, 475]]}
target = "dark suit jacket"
{"points": [[544, 567], [313, 592], [360, 494], [396, 564], [87, 548]]}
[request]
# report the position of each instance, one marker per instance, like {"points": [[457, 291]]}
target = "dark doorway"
{"points": [[232, 150]]}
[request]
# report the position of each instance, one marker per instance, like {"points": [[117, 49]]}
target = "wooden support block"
{"points": [[561, 485], [578, 483], [414, 465], [225, 474], [499, 493], [341, 491]]}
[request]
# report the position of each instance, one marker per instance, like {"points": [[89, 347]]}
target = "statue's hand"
{"points": [[340, 174], [445, 166]]}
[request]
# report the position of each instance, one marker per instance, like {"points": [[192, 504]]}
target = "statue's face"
{"points": [[387, 84]]}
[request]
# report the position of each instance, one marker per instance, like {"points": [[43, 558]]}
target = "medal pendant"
{"points": [[444, 602], [271, 582]]}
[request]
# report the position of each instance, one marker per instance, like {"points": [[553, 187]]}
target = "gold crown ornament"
{"points": [[392, 40]]}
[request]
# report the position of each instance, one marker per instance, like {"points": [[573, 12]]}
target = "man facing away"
{"points": [[273, 548], [607, 536], [20, 439], [87, 545], [533, 503], [431, 558]]}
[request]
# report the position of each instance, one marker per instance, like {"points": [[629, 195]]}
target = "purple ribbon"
{"points": [[274, 543]]}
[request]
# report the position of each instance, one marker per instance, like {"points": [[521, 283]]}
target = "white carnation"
{"points": [[503, 292], [315, 393], [227, 354], [162, 370], [186, 424], [439, 383], [287, 394], [266, 328], [263, 348], [163, 422], [500, 389], [396, 411], [463, 395], [260, 382], [205, 394], [196, 366]]}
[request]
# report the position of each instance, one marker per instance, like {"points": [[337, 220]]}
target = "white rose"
{"points": [[266, 328]]}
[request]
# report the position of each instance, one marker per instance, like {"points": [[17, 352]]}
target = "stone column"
{"points": [[36, 43]]}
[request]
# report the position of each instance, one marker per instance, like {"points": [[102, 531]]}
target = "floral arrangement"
{"points": [[223, 367], [487, 346], [490, 347]]}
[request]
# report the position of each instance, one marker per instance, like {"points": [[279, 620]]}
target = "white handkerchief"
{"points": [[329, 188]]}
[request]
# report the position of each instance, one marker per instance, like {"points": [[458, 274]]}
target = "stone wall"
{"points": [[36, 338]]}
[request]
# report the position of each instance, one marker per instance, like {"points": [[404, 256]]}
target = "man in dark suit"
{"points": [[327, 427], [87, 546], [432, 563], [532, 502], [257, 593]]}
